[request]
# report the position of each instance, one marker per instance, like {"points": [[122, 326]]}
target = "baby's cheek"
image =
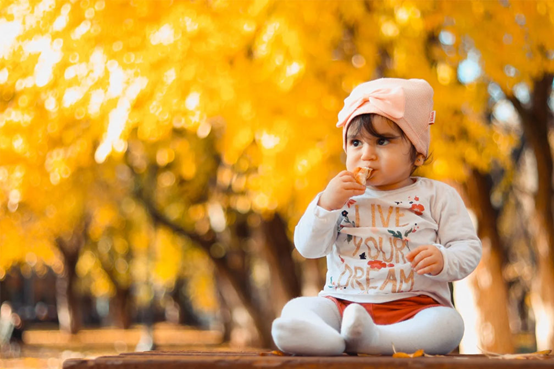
{"points": [[350, 166]]}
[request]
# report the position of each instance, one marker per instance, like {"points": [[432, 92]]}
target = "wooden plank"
{"points": [[252, 360]]}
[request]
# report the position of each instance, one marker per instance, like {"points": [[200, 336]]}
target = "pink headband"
{"points": [[408, 103]]}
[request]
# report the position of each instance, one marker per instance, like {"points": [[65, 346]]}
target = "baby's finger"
{"points": [[345, 173], [422, 255], [353, 185], [427, 270], [423, 263], [348, 178], [416, 255], [355, 191], [412, 254]]}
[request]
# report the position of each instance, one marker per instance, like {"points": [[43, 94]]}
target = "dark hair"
{"points": [[364, 123]]}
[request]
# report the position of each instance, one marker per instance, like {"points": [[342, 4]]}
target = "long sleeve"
{"points": [[457, 239], [316, 231]]}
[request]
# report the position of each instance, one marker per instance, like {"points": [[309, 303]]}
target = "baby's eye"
{"points": [[355, 143], [382, 141]]}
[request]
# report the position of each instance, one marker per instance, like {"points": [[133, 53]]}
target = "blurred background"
{"points": [[155, 157]]}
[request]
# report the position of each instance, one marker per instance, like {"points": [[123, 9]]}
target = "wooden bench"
{"points": [[243, 360]]}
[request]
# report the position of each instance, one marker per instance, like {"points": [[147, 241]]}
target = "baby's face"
{"points": [[389, 156]]}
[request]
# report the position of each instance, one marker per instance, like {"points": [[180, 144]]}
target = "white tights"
{"points": [[313, 326]]}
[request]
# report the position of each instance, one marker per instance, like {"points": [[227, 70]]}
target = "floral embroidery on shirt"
{"points": [[398, 234], [378, 264], [418, 209], [333, 285], [345, 218], [347, 221]]}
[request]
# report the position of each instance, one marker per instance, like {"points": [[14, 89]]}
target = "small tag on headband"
{"points": [[432, 117]]}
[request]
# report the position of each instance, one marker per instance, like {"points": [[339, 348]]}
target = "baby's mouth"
{"points": [[369, 173]]}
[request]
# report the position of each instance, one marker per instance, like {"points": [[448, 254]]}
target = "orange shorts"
{"points": [[393, 311]]}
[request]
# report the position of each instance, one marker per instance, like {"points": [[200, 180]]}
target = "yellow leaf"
{"points": [[273, 353], [404, 355]]}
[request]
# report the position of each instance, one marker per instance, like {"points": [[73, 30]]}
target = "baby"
{"points": [[392, 244]]}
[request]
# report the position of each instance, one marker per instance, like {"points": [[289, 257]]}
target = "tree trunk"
{"points": [[487, 319], [120, 303], [244, 295], [187, 315], [67, 301], [226, 266], [285, 276], [225, 271], [225, 311], [535, 126], [542, 301], [121, 307]]}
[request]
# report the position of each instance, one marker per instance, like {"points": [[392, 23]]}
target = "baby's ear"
{"points": [[420, 159]]}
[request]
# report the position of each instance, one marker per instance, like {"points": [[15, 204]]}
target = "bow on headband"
{"points": [[388, 102]]}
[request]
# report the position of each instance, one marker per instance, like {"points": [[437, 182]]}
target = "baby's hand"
{"points": [[339, 190], [426, 259]]}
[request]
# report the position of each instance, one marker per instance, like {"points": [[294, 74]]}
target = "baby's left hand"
{"points": [[426, 259]]}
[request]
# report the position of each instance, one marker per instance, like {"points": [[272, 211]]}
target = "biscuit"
{"points": [[362, 174]]}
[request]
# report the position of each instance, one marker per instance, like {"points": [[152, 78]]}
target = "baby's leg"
{"points": [[309, 326], [436, 330]]}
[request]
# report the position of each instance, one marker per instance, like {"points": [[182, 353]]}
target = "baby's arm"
{"points": [[458, 243], [316, 232]]}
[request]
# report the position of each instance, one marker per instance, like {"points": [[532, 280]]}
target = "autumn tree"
{"points": [[214, 121], [519, 63]]}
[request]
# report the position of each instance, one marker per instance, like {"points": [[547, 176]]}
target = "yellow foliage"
{"points": [[168, 257], [243, 94]]}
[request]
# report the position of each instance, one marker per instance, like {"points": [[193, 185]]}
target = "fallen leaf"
{"points": [[273, 353], [418, 353], [404, 355]]}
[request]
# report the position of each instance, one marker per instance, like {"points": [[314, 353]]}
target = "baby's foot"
{"points": [[306, 337], [358, 329]]}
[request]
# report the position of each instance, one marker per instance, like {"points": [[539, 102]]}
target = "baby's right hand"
{"points": [[339, 190]]}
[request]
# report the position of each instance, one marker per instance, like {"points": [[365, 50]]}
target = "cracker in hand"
{"points": [[362, 174]]}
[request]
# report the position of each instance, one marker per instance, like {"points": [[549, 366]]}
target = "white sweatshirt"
{"points": [[366, 242]]}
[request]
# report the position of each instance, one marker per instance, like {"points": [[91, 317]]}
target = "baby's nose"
{"points": [[369, 153]]}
